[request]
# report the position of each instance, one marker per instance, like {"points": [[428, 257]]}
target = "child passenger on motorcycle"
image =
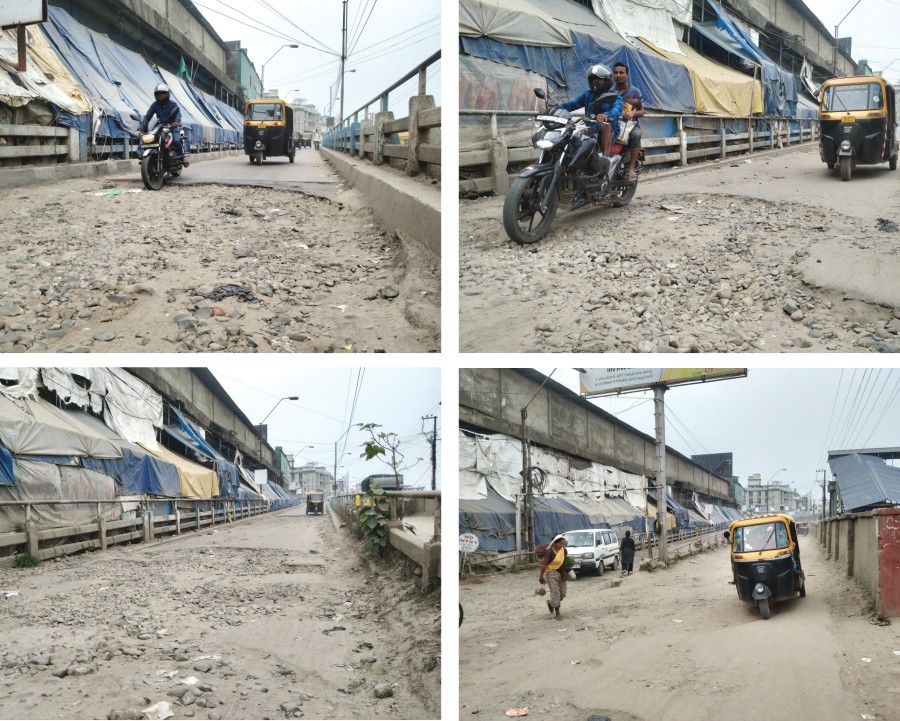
{"points": [[599, 82], [167, 112]]}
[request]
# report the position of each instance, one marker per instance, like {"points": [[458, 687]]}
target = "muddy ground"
{"points": [[677, 644], [104, 266], [279, 616]]}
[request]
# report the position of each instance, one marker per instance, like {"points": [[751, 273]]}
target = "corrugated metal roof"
{"points": [[865, 482]]}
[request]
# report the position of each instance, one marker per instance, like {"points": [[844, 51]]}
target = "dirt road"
{"points": [[105, 266], [676, 644], [274, 617], [765, 254]]}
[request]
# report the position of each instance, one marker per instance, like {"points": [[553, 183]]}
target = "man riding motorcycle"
{"points": [[600, 81], [167, 112]]}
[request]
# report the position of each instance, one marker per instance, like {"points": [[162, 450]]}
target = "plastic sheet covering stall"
{"points": [[32, 426], [193, 438], [213, 109], [56, 478], [19, 382], [617, 512], [45, 77], [485, 85], [718, 90], [7, 475], [648, 19], [556, 515], [491, 460], [512, 21], [196, 480], [492, 519], [203, 129]]}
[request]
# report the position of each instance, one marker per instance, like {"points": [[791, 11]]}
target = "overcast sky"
{"points": [[386, 39], [395, 398], [772, 419], [873, 25]]}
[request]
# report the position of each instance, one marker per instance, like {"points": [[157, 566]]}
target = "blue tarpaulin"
{"points": [[229, 477], [7, 474], [138, 472]]}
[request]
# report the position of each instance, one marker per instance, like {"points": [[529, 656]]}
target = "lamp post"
{"points": [[332, 96], [295, 90], [260, 425], [767, 486], [837, 30], [262, 77]]}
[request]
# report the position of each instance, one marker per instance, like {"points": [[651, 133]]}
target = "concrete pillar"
{"points": [[380, 120], [682, 142], [417, 104], [148, 526], [750, 134], [437, 519], [432, 564], [499, 160], [101, 526], [74, 146], [197, 514], [177, 522], [366, 128], [212, 515], [33, 540], [851, 542], [722, 145]]}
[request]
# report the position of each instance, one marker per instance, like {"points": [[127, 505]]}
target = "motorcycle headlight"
{"points": [[148, 138], [845, 145], [551, 138]]}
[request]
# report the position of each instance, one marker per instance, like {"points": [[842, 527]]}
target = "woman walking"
{"points": [[626, 549], [553, 573]]}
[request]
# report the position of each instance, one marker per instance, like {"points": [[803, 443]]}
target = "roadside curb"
{"points": [[11, 178]]}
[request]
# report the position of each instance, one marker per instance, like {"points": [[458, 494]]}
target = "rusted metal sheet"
{"points": [[889, 561]]}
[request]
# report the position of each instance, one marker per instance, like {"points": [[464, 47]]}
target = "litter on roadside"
{"points": [[161, 710], [517, 712]]}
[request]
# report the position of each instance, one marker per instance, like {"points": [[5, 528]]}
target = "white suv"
{"points": [[592, 549]]}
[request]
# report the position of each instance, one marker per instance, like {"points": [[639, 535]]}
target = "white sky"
{"points": [[386, 39], [873, 25], [396, 398], [772, 419]]}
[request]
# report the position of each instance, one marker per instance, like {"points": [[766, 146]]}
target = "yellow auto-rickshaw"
{"points": [[315, 502], [765, 560], [268, 129], [857, 123]]}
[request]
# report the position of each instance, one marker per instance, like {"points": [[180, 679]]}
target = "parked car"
{"points": [[593, 549]]}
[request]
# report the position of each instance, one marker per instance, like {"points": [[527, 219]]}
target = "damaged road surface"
{"points": [[278, 616], [204, 268]]}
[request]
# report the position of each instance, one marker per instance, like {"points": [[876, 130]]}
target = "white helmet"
{"points": [[161, 88]]}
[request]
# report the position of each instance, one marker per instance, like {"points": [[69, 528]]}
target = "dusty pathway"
{"points": [[675, 645], [275, 617]]}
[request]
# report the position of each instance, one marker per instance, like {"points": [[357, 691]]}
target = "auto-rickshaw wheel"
{"points": [[259, 157], [830, 166], [845, 169], [764, 610], [803, 590], [892, 162]]}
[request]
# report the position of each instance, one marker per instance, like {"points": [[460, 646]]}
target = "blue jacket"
{"points": [[612, 110], [165, 113]]}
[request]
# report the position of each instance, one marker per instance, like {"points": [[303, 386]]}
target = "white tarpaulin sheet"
{"points": [[512, 21], [496, 461], [31, 426], [44, 76], [62, 382], [133, 409], [24, 382], [648, 19]]}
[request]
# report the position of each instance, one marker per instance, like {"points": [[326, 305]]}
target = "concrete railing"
{"points": [[379, 137], [25, 142], [426, 552], [139, 525], [492, 153], [867, 546]]}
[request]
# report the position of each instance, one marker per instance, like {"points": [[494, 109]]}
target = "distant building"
{"points": [[311, 477]]}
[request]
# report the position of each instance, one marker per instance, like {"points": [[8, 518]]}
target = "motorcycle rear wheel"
{"points": [[152, 173], [623, 197], [522, 207]]}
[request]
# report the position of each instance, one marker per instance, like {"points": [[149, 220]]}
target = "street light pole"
{"points": [[767, 486], [836, 31], [343, 59], [262, 77], [260, 425]]}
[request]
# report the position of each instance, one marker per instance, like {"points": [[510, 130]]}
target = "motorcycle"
{"points": [[569, 169], [159, 158]]}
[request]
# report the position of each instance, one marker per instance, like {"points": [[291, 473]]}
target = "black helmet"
{"points": [[161, 92], [603, 75]]}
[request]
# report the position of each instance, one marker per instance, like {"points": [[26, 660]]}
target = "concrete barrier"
{"points": [[41, 174], [407, 206]]}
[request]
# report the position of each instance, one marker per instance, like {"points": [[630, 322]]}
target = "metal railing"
{"points": [[504, 149], [141, 523], [378, 137]]}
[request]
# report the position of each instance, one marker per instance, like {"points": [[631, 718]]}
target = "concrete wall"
{"points": [[183, 385], [867, 547], [492, 398]]}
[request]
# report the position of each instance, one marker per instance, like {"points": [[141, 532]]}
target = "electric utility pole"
{"points": [[343, 60], [432, 439]]}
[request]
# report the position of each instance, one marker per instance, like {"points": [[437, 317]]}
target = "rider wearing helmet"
{"points": [[167, 112], [600, 81]]}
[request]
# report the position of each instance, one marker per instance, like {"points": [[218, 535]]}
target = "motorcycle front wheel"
{"points": [[152, 173], [522, 217], [624, 195]]}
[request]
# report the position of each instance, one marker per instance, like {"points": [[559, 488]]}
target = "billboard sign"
{"points": [[597, 381], [22, 12]]}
